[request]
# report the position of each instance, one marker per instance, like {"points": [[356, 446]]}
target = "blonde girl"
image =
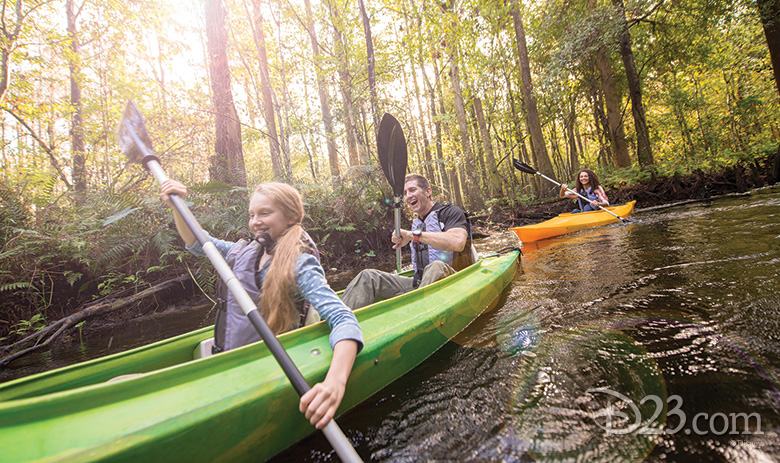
{"points": [[283, 273]]}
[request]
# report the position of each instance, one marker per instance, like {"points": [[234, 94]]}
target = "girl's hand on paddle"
{"points": [[169, 187], [320, 403]]}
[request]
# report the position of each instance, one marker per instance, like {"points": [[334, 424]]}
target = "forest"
{"points": [[238, 92]]}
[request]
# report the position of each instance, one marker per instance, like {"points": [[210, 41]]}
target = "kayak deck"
{"points": [[234, 406], [568, 223]]}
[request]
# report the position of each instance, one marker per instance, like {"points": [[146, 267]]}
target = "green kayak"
{"points": [[235, 406]]}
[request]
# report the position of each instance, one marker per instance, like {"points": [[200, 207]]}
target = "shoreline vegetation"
{"points": [[362, 231]]}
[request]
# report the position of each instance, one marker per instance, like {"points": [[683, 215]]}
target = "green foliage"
{"points": [[350, 211], [23, 327], [67, 256], [613, 178]]}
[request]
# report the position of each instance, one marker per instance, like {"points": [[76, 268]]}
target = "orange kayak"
{"points": [[568, 222]]}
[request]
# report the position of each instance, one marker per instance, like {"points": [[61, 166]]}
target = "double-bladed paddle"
{"points": [[391, 146], [137, 146], [523, 167]]}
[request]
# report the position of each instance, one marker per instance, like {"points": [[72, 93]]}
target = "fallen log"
{"points": [[93, 309]]}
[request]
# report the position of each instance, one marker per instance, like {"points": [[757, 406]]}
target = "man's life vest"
{"points": [[422, 254], [231, 327]]}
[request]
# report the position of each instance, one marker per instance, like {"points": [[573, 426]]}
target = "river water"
{"points": [[654, 341], [657, 340]]}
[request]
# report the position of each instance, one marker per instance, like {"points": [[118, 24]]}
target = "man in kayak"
{"points": [[441, 245], [587, 185]]}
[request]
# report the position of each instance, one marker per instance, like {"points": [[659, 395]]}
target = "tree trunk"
{"points": [[76, 124], [494, 181], [519, 140], [227, 164], [538, 146], [345, 79], [769, 12], [616, 131], [599, 118], [322, 87], [371, 65], [574, 160], [441, 165], [427, 161], [475, 199], [10, 33], [644, 152], [282, 108], [258, 23]]}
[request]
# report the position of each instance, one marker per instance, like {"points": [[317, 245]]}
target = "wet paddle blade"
{"points": [[523, 167], [391, 146], [132, 135]]}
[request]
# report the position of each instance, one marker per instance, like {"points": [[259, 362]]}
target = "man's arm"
{"points": [[453, 239]]}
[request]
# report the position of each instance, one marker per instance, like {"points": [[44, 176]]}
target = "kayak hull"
{"points": [[568, 223], [235, 406]]}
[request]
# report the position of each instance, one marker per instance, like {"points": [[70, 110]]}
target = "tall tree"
{"points": [[416, 62], [11, 29], [345, 83], [494, 181], [769, 12], [227, 164], [76, 118], [538, 146], [439, 161], [463, 129], [370, 65], [615, 129], [571, 122], [258, 25], [644, 152], [322, 88]]}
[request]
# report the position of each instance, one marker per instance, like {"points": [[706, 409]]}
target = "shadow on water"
{"points": [[651, 341]]}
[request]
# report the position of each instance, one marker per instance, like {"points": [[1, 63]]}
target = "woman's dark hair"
{"points": [[593, 180]]}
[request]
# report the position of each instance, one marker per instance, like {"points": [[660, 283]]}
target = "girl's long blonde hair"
{"points": [[277, 304]]}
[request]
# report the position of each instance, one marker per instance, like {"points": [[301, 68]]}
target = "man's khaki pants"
{"points": [[371, 285]]}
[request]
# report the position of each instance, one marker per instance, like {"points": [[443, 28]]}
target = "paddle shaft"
{"points": [[583, 197], [332, 432], [397, 213]]}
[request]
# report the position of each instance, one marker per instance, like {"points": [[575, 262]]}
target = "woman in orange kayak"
{"points": [[587, 185]]}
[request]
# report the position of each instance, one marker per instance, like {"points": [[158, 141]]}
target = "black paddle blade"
{"points": [[391, 146], [523, 167], [132, 136]]}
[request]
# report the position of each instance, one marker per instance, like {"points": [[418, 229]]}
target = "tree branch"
{"points": [[93, 309], [47, 148]]}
